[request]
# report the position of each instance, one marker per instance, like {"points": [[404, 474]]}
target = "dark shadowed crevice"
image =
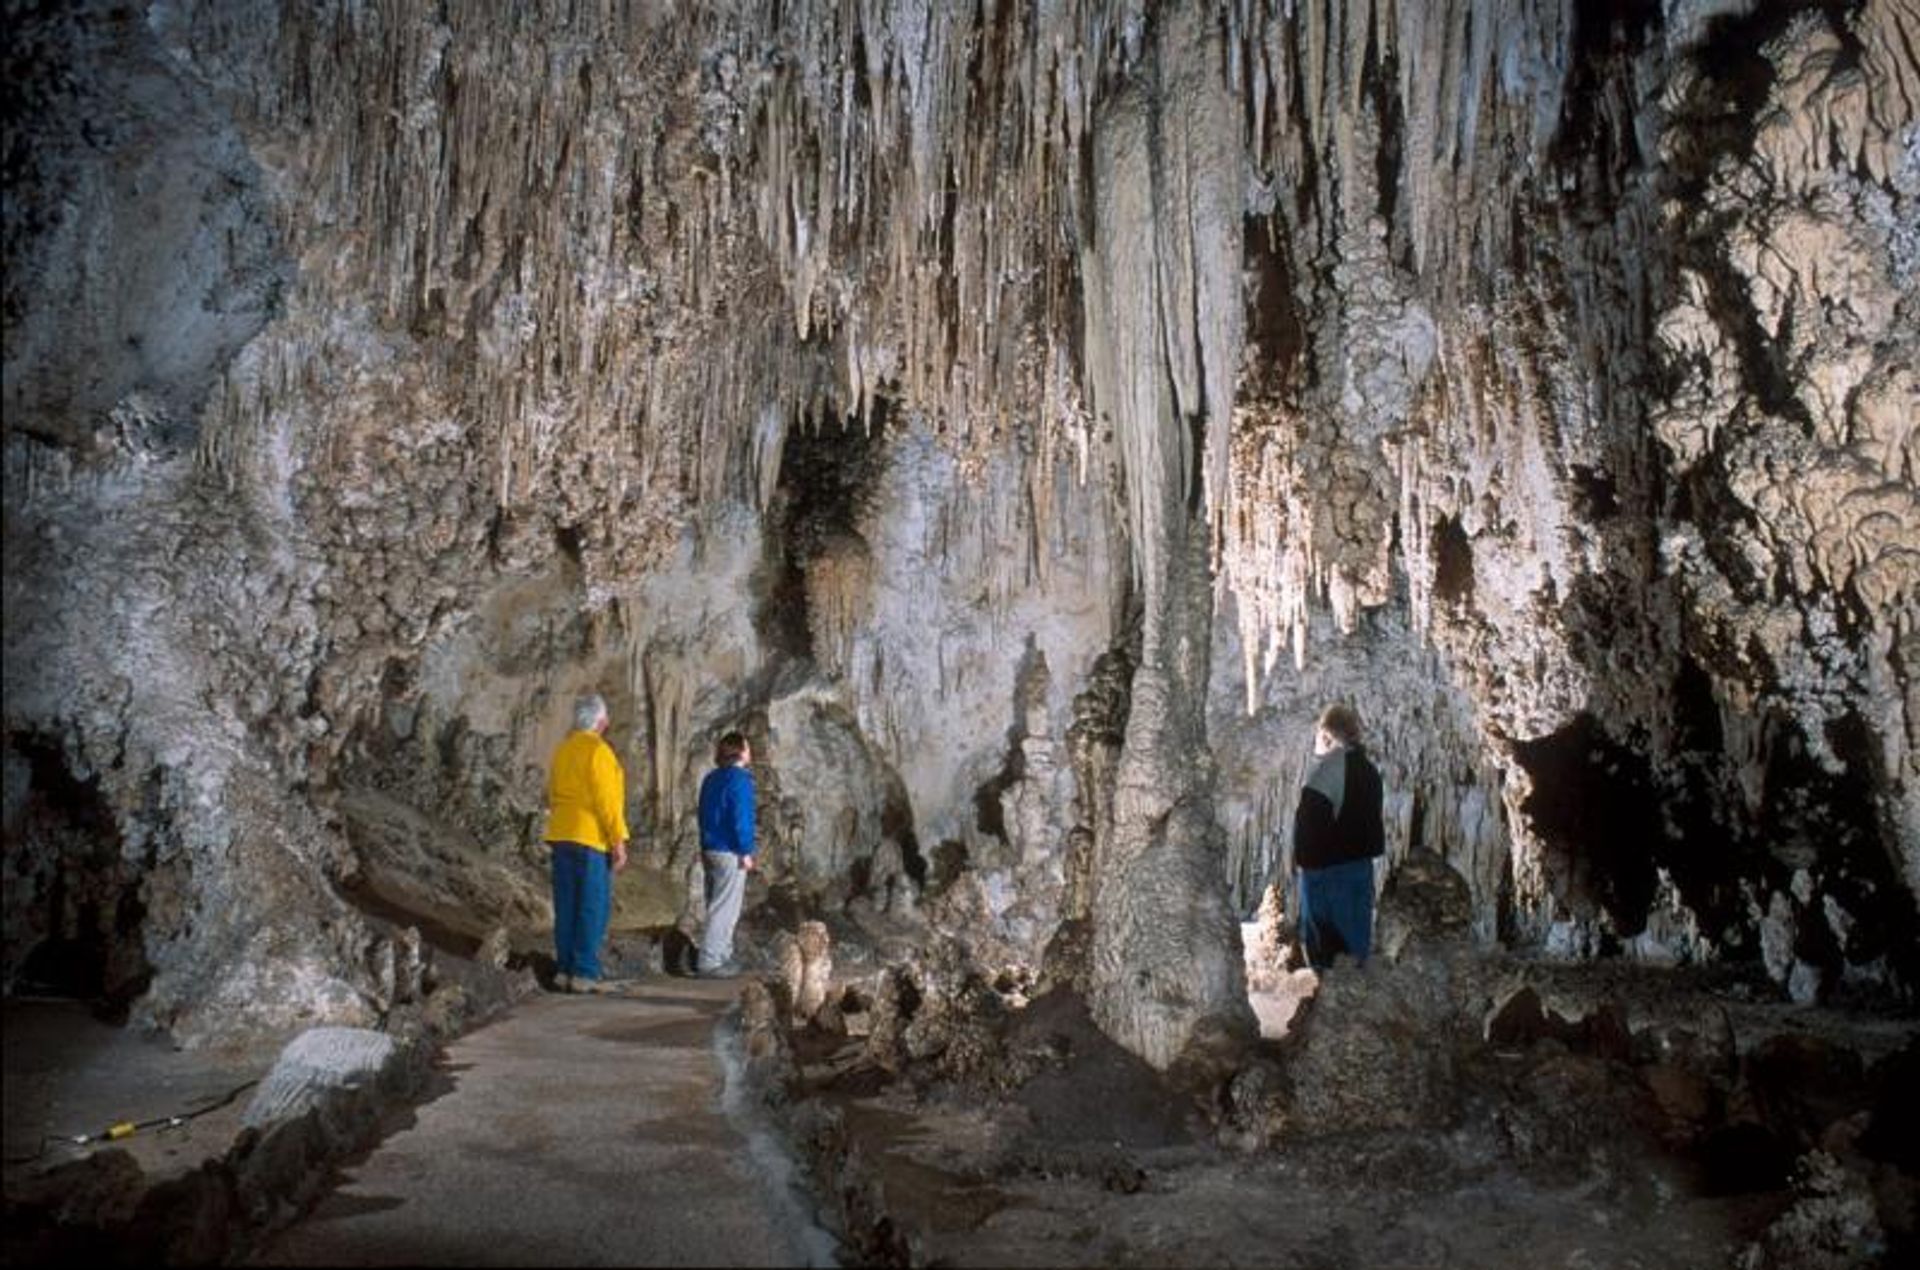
{"points": [[828, 477], [1452, 564], [1276, 336], [1595, 808], [988, 817], [1031, 679], [896, 825], [1704, 496], [1607, 36], [1709, 855], [1380, 76], [1596, 494], [1830, 821], [83, 937], [949, 860]]}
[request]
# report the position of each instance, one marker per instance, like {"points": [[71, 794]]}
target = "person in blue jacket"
{"points": [[1338, 832], [726, 852]]}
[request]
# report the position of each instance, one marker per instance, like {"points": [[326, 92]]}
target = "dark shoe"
{"points": [[725, 970]]}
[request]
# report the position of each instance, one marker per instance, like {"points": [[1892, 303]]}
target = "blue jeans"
{"points": [[582, 903], [1336, 912]]}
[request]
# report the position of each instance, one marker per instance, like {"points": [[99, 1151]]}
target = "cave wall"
{"points": [[378, 378], [1539, 383]]}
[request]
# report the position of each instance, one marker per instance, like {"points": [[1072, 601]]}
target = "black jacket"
{"points": [[1339, 814]]}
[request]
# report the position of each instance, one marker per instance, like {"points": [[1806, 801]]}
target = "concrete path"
{"points": [[580, 1131]]}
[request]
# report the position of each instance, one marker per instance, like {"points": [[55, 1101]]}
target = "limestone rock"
{"points": [[1275, 949], [1372, 1050], [1423, 904], [645, 898], [494, 949], [410, 861], [805, 960], [1832, 1224], [313, 1065]]}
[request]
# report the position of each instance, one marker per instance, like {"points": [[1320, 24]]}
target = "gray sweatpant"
{"points": [[726, 887]]}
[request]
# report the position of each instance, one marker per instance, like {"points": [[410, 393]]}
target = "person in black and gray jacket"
{"points": [[1337, 835]]}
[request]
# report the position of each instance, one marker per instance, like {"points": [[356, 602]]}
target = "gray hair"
{"points": [[588, 711]]}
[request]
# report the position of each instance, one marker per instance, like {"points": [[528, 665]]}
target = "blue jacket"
{"points": [[726, 810]]}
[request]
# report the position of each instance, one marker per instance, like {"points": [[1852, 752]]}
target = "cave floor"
{"points": [[1096, 1167], [581, 1130], [954, 1198], [70, 1073], [573, 1131]]}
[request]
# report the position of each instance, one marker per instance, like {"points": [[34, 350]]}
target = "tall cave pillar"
{"points": [[1163, 335]]}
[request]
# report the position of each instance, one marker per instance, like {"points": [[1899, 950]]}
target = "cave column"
{"points": [[1163, 335]]}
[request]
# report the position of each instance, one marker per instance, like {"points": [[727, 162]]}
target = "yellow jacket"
{"points": [[586, 793]]}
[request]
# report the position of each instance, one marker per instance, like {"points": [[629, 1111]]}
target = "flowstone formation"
{"points": [[1019, 419]]}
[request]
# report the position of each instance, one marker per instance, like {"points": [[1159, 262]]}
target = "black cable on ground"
{"points": [[127, 1128], [29, 1159]]}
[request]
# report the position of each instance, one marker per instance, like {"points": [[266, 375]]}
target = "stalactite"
{"points": [[1458, 90], [665, 679], [839, 599], [931, 167], [463, 160]]}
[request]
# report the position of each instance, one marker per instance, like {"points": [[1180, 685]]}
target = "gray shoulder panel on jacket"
{"points": [[1329, 779]]}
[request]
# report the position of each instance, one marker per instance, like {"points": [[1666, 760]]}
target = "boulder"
{"points": [[1375, 1047], [313, 1065]]}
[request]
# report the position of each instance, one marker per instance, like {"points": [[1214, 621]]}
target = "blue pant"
{"points": [[582, 902], [1336, 912]]}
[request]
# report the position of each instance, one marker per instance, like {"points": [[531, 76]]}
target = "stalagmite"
{"points": [[1166, 952]]}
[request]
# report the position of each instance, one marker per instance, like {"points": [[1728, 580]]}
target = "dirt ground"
{"points": [[1554, 1158], [69, 1073], [965, 1188]]}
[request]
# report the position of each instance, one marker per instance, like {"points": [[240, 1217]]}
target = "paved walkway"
{"points": [[580, 1131]]}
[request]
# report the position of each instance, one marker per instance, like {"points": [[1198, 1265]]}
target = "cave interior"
{"points": [[1020, 421]]}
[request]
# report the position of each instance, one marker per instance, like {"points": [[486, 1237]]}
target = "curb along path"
{"points": [[579, 1131]]}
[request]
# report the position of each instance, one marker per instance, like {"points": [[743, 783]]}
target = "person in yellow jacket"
{"points": [[587, 832]]}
